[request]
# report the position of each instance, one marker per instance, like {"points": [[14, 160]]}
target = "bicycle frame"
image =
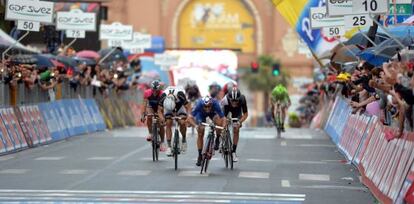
{"points": [[155, 134], [207, 153], [176, 140]]}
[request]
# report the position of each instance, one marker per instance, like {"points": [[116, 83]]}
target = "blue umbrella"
{"points": [[44, 60], [384, 51], [87, 61]]}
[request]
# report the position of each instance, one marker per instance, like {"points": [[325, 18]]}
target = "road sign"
{"points": [[401, 9], [320, 19], [333, 31], [339, 7], [76, 20], [30, 10], [75, 33], [28, 25], [369, 6], [140, 41], [116, 31], [353, 21], [115, 43]]}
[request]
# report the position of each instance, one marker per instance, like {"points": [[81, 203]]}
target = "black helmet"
{"points": [[156, 85], [234, 94]]}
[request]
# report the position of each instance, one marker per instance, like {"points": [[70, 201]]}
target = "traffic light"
{"points": [[276, 69], [254, 66]]}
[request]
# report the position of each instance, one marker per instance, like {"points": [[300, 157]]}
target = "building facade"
{"points": [[250, 27]]}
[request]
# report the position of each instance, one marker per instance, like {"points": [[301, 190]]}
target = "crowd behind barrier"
{"points": [[38, 120], [384, 159]]}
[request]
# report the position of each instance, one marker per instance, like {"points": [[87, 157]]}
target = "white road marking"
{"points": [[260, 160], [312, 162], [74, 171], [135, 173], [314, 177], [192, 173], [285, 183], [49, 158], [5, 158], [112, 164], [100, 158], [252, 174], [14, 171], [283, 143], [144, 196]]}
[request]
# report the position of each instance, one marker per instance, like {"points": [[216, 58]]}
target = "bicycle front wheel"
{"points": [[176, 148], [154, 142]]}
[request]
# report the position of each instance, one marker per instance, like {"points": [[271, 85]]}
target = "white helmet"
{"points": [[169, 103]]}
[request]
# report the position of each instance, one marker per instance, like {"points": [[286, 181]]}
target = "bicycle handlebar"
{"points": [[212, 125]]}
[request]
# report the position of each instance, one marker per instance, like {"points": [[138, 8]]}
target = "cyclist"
{"points": [[152, 96], [280, 97], [192, 91], [235, 103], [214, 90], [174, 103], [206, 107]]}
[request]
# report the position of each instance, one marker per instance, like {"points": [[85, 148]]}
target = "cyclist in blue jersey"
{"points": [[207, 107]]}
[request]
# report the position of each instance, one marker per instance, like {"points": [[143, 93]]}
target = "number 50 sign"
{"points": [[369, 6]]}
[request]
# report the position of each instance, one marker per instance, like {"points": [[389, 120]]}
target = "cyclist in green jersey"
{"points": [[280, 97]]}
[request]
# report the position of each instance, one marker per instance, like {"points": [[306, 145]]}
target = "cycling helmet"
{"points": [[169, 103], [234, 94], [155, 85], [214, 85], [228, 87], [207, 100]]}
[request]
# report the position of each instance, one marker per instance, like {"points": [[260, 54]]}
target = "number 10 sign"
{"points": [[369, 6]]}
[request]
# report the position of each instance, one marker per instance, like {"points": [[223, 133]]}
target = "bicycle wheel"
{"points": [[176, 148], [230, 150], [154, 142]]}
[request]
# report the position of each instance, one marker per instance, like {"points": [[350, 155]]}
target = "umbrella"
{"points": [[116, 55], [384, 51], [359, 39], [406, 55], [44, 60], [88, 54], [23, 59], [87, 61], [67, 61], [345, 54]]}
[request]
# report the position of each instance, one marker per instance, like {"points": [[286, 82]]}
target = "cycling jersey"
{"points": [[200, 114], [153, 98], [237, 111], [280, 93], [179, 94]]}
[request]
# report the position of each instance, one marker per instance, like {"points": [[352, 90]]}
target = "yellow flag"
{"points": [[290, 9]]}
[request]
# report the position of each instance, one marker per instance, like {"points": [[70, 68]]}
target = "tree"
{"points": [[264, 81]]}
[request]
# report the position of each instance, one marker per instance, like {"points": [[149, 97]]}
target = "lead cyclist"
{"points": [[280, 97]]}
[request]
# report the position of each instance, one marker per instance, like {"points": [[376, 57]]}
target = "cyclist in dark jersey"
{"points": [[234, 103], [152, 96]]}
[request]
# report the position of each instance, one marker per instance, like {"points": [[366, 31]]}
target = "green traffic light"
{"points": [[276, 73]]}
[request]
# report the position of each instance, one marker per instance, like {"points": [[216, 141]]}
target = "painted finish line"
{"points": [[71, 196]]}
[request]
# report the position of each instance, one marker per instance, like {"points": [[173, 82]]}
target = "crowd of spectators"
{"points": [[115, 75], [385, 91]]}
